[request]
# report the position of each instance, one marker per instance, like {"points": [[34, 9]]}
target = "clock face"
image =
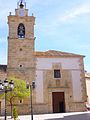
{"points": [[21, 13]]}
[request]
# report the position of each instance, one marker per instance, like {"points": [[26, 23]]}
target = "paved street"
{"points": [[84, 116], [59, 116], [77, 117]]}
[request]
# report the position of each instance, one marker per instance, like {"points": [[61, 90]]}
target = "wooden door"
{"points": [[58, 102]]}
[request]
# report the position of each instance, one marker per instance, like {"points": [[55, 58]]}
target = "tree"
{"points": [[19, 92]]}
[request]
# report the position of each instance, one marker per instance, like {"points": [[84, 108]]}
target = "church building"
{"points": [[59, 76]]}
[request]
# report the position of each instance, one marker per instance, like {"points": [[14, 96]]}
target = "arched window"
{"points": [[21, 31]]}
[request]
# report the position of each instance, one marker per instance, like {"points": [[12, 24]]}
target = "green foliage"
{"points": [[19, 90], [1, 95], [15, 114]]}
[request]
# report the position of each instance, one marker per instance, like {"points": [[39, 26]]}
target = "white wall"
{"points": [[77, 95], [39, 86], [88, 89], [66, 63]]}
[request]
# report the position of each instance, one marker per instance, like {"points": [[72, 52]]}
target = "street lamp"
{"points": [[6, 87], [31, 86]]}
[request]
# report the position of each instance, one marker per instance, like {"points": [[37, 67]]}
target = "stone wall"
{"points": [[3, 76]]}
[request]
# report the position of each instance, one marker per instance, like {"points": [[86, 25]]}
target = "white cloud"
{"points": [[84, 46], [42, 2], [75, 12]]}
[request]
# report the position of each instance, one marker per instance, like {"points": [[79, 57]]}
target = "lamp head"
{"points": [[27, 85], [11, 84], [5, 82], [33, 84], [1, 85]]}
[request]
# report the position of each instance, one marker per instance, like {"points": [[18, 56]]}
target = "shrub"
{"points": [[15, 114]]}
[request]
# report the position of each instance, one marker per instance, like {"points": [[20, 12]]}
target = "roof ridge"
{"points": [[56, 53]]}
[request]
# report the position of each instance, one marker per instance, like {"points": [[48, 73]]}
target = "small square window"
{"points": [[20, 49], [57, 74], [20, 65], [20, 101]]}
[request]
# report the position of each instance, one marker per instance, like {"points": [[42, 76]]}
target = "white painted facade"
{"points": [[77, 95], [66, 63], [72, 64], [88, 89], [39, 86]]}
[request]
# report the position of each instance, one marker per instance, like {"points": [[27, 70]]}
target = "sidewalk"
{"points": [[45, 116], [36, 117]]}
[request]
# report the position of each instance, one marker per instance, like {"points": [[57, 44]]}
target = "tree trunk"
{"points": [[11, 108]]}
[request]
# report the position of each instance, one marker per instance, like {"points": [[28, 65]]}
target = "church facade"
{"points": [[59, 76]]}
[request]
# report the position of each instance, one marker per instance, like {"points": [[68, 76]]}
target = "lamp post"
{"points": [[31, 86], [4, 88]]}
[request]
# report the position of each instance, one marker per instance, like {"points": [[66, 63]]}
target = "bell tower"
{"points": [[21, 60]]}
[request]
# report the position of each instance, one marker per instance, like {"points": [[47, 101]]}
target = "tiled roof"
{"points": [[57, 54], [3, 67], [87, 75]]}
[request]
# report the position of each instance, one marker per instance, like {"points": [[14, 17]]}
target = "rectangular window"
{"points": [[57, 74], [20, 101]]}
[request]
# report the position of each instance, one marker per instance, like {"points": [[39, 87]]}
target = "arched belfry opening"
{"points": [[21, 30]]}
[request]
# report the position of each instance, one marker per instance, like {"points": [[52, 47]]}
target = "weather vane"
{"points": [[21, 2]]}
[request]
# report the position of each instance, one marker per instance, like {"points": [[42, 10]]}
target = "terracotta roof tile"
{"points": [[56, 54], [87, 75]]}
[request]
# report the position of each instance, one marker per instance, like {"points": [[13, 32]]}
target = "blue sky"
{"points": [[62, 25]]}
